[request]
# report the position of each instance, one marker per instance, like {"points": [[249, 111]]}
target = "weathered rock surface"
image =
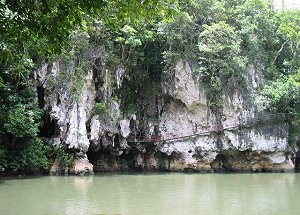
{"points": [[175, 106], [184, 86], [82, 166], [58, 169], [69, 113]]}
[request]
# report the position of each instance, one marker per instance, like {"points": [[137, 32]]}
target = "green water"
{"points": [[171, 194]]}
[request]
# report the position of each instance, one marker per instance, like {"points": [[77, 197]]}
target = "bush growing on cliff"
{"points": [[64, 158], [283, 88], [222, 38], [284, 97], [221, 64]]}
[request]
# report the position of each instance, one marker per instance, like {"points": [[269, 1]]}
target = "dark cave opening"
{"points": [[49, 128], [297, 160], [41, 94], [102, 159], [163, 160], [220, 163], [127, 160], [107, 160]]}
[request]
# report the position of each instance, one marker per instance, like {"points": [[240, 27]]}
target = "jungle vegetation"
{"points": [[223, 37]]}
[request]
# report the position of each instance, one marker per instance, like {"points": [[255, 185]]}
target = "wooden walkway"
{"points": [[243, 123]]}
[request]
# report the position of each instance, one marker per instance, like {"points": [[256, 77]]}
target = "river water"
{"points": [[169, 193]]}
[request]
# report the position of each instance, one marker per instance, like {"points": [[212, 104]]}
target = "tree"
{"points": [[283, 89], [220, 60], [283, 96], [33, 29], [288, 31], [38, 27]]}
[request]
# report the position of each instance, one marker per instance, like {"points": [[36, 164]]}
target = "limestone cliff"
{"points": [[89, 119]]}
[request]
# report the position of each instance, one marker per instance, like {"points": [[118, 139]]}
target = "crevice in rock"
{"points": [[297, 157], [58, 99], [102, 160], [219, 164], [49, 128], [163, 162], [41, 94], [127, 160]]}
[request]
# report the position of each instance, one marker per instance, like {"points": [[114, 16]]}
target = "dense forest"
{"points": [[223, 37]]}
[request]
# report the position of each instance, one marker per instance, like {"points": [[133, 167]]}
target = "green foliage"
{"points": [[129, 93], [132, 44], [288, 21], [108, 110], [161, 161], [100, 108], [129, 40], [222, 38], [221, 64], [20, 118], [253, 21], [284, 94], [181, 37], [284, 97], [34, 29], [3, 159], [140, 50], [74, 63], [34, 155], [219, 38], [22, 122], [64, 158], [78, 79], [47, 24], [287, 56]]}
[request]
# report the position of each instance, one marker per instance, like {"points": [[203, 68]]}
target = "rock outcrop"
{"points": [[177, 104]]}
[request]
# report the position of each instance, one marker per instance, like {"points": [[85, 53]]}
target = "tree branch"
{"points": [[279, 51]]}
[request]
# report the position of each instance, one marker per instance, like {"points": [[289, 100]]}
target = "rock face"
{"points": [[184, 87], [68, 112], [93, 124], [81, 166]]}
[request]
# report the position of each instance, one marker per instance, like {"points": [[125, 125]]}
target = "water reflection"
{"points": [[153, 194]]}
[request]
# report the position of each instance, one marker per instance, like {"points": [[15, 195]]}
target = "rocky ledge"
{"points": [[93, 123]]}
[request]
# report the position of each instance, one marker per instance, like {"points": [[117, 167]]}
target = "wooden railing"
{"points": [[206, 130]]}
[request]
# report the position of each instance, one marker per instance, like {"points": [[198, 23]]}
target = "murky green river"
{"points": [[173, 193]]}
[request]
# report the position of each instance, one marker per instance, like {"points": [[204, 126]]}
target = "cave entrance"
{"points": [[103, 160], [164, 161], [41, 94], [219, 164], [127, 160], [49, 128], [297, 160]]}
